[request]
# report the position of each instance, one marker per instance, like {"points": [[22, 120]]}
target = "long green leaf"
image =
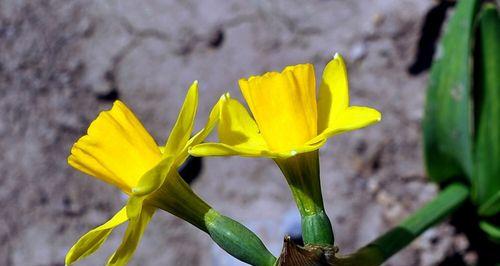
{"points": [[382, 248], [486, 179], [447, 121]]}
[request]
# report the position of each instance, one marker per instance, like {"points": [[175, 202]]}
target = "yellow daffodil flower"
{"points": [[290, 125], [288, 118], [118, 150]]}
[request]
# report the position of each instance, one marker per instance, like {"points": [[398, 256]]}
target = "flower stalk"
{"points": [[176, 197], [302, 174], [388, 244]]}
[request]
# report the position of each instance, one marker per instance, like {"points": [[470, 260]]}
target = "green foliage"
{"points": [[388, 244], [447, 121], [462, 119], [486, 179], [492, 230], [491, 206]]}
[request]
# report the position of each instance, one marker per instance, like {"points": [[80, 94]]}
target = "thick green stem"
{"points": [[317, 229], [302, 174], [382, 248], [177, 198]]}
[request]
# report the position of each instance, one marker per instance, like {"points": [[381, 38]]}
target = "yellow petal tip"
{"points": [[226, 96], [194, 85], [378, 115]]}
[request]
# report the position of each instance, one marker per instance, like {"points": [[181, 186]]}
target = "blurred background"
{"points": [[61, 62]]}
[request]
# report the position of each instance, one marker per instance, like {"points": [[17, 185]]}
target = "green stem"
{"points": [[382, 248], [302, 174], [177, 198]]}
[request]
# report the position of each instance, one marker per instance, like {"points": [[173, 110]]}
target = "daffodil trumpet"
{"points": [[118, 150], [289, 125]]}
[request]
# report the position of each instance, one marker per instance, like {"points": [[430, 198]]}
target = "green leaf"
{"points": [[492, 230], [486, 179], [447, 121], [388, 244], [491, 207]]}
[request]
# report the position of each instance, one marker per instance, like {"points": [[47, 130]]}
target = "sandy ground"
{"points": [[61, 61]]}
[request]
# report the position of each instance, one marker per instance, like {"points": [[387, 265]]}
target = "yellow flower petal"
{"points": [[236, 127], [155, 177], [162, 149], [221, 149], [238, 133], [308, 147], [117, 149], [352, 118], [212, 120], [132, 237], [283, 105], [333, 93], [185, 121], [92, 240]]}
